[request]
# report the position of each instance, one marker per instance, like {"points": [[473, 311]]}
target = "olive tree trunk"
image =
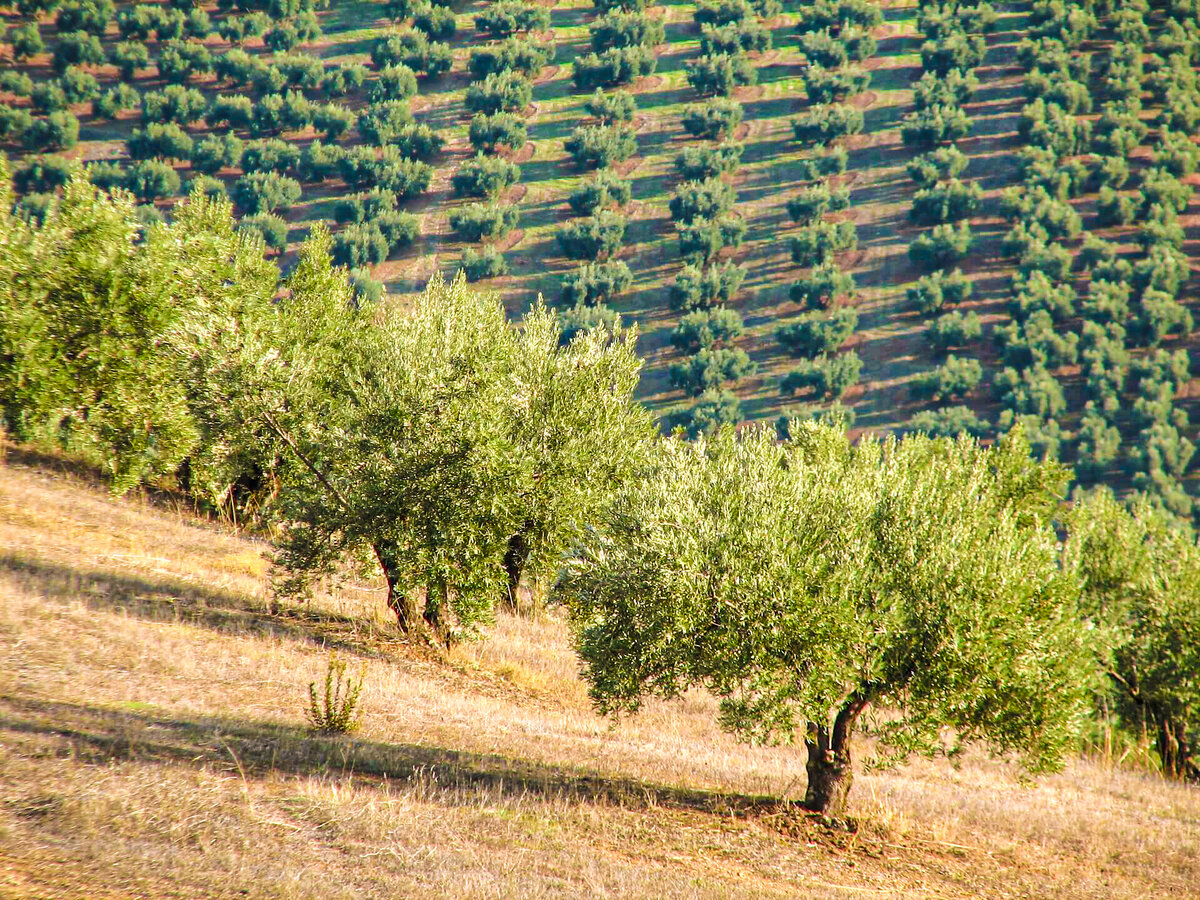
{"points": [[1174, 748], [515, 557], [830, 766], [398, 600]]}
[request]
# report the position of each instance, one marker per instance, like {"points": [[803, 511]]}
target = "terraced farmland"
{"points": [[1025, 51]]}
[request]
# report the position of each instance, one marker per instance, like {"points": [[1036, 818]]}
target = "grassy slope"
{"points": [[890, 334], [152, 743]]}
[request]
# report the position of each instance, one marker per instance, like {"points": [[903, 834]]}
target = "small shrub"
{"points": [[336, 709]]}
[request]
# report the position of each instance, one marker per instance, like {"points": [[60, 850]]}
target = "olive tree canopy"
{"points": [[1140, 572], [804, 583], [434, 439]]}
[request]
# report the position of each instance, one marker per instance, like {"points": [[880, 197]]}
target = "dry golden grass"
{"points": [[153, 745]]}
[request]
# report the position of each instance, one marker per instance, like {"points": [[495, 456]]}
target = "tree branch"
{"points": [[287, 439]]}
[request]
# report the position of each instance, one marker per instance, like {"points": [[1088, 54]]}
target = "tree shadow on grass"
{"points": [[175, 600], [258, 749]]}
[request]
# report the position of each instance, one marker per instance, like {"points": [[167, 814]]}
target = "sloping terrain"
{"points": [[153, 743]]}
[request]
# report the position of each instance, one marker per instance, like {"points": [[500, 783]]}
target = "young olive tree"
{"points": [[807, 583]]}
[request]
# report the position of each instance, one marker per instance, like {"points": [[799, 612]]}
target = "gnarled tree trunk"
{"points": [[830, 767], [398, 600]]}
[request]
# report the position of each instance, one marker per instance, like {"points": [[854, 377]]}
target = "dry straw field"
{"points": [[154, 745]]}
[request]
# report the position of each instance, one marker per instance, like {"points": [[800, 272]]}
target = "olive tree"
{"points": [[508, 92], [713, 119], [615, 66], [809, 583], [600, 146], [817, 333], [703, 288], [698, 163], [719, 75], [594, 284], [1140, 573], [829, 376], [483, 221], [436, 442], [489, 133], [91, 318], [611, 107], [484, 176], [604, 191], [706, 328], [709, 369], [599, 235]]}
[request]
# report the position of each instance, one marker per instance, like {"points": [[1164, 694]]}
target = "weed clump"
{"points": [[336, 710]]}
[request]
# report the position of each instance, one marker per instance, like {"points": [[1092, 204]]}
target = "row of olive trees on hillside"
{"points": [[836, 40], [431, 442], [812, 585], [954, 46]]}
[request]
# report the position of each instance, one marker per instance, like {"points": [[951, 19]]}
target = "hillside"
{"points": [[889, 336], [154, 744]]}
